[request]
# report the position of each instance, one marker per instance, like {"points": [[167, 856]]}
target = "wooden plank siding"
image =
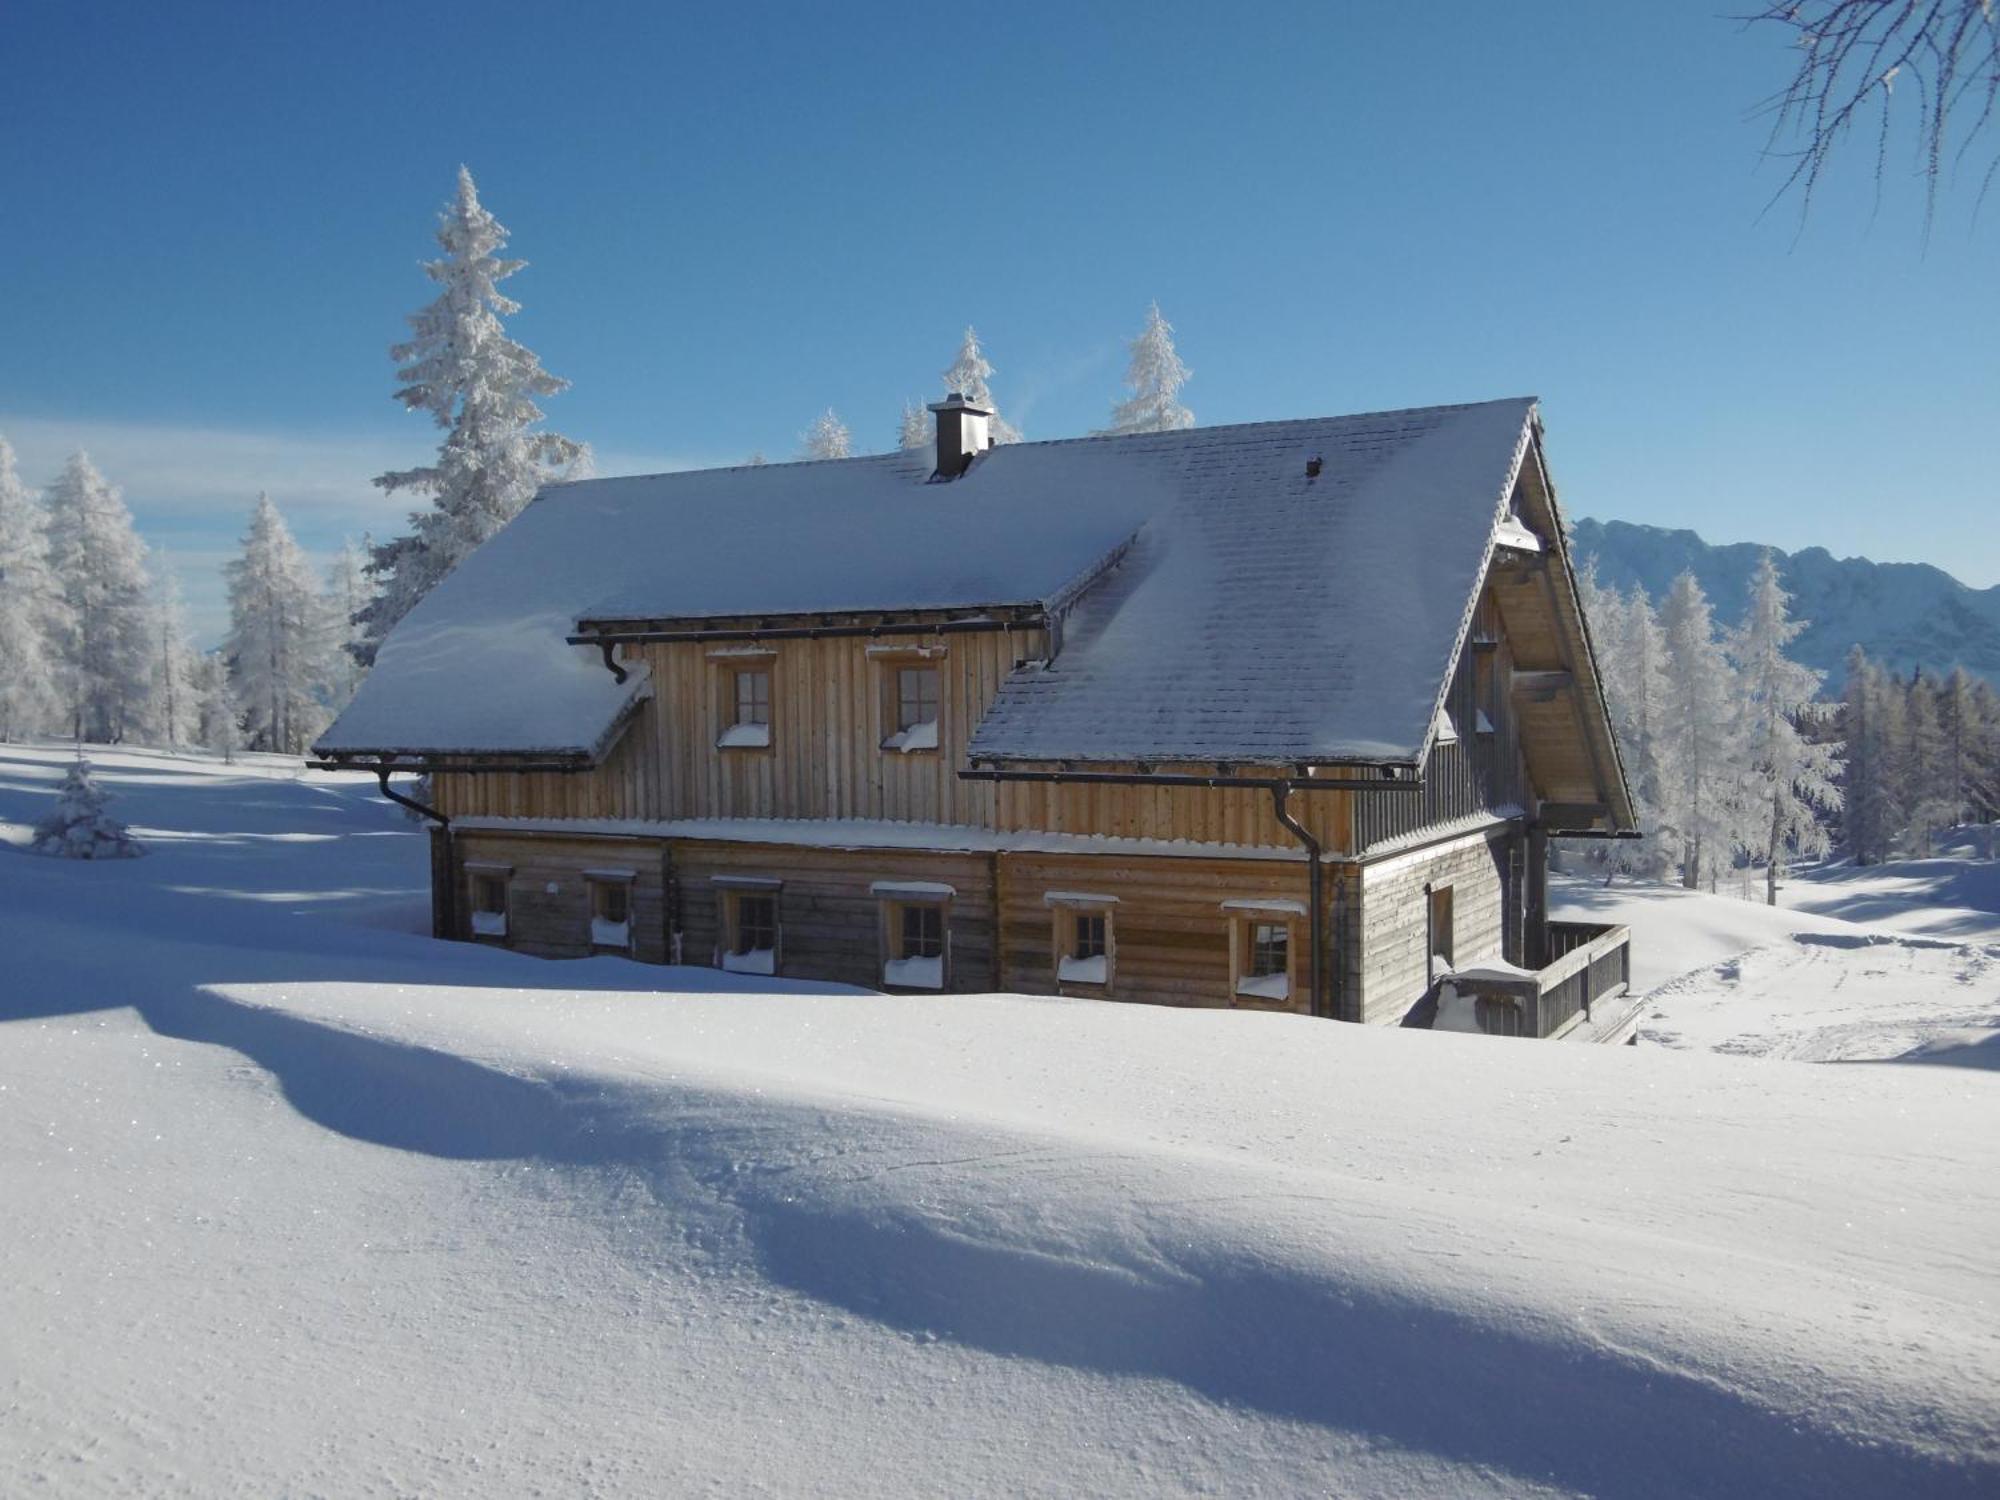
{"points": [[1395, 917], [548, 897], [1479, 773], [826, 758]]}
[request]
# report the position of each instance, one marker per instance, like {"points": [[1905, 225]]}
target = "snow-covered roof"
{"points": [[1268, 616], [1259, 614]]}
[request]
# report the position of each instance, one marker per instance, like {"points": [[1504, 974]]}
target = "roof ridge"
{"points": [[1088, 437]]}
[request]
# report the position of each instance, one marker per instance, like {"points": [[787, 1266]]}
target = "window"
{"points": [[911, 704], [1263, 935], [489, 899], [749, 925], [610, 908], [1440, 931], [747, 712], [1083, 943], [916, 933]]}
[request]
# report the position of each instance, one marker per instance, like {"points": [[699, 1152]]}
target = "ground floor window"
{"points": [[1082, 938], [1262, 938], [916, 933], [1442, 945], [489, 898], [749, 925], [610, 908]]}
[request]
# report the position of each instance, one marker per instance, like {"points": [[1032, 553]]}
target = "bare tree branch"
{"points": [[1857, 57]]}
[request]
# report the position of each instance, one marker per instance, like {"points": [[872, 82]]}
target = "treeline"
{"points": [[1737, 762], [94, 642], [1923, 755]]}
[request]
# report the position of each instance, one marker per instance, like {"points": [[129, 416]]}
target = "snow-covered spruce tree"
{"points": [[917, 429], [342, 605], [78, 827], [276, 643], [968, 374], [1872, 714], [221, 719], [100, 564], [1702, 794], [1632, 659], [173, 708], [1155, 378], [31, 612], [480, 387], [1926, 766], [826, 438], [1791, 776]]}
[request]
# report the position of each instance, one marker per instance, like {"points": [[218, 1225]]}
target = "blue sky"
{"points": [[214, 214]]}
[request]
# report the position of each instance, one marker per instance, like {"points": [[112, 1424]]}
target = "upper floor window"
{"points": [[747, 716], [911, 705]]}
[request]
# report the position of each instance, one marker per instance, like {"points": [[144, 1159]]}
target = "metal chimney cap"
{"points": [[957, 402]]}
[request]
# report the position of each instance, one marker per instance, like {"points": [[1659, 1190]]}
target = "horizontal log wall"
{"points": [[548, 898], [829, 920]]}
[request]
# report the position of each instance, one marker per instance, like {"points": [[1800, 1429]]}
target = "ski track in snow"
{"points": [[299, 1202]]}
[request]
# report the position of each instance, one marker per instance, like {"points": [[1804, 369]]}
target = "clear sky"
{"points": [[211, 218]]}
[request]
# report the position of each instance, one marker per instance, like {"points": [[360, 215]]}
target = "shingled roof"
{"points": [[1282, 591]]}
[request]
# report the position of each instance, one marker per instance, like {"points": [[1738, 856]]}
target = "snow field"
{"points": [[301, 1202]]}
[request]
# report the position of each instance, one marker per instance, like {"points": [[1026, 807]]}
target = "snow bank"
{"points": [[441, 1219]]}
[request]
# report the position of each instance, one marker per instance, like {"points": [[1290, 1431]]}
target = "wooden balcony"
{"points": [[1588, 963]]}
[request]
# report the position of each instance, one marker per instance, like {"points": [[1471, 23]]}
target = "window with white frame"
{"points": [[1262, 939], [1083, 942], [746, 709], [912, 700], [489, 898], [610, 908], [916, 933], [750, 933]]}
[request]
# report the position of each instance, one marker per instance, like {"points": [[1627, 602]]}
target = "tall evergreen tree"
{"points": [[32, 608], [480, 387], [275, 637], [1926, 770], [918, 428], [1702, 795], [221, 724], [1791, 777], [1872, 722], [106, 643], [969, 374], [826, 438], [1155, 377], [344, 603], [173, 710]]}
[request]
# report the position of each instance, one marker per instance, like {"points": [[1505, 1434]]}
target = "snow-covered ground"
{"points": [[298, 1201]]}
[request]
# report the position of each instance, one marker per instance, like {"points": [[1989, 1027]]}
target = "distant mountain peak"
{"points": [[1908, 615]]}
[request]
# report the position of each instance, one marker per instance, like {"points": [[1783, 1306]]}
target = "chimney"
{"points": [[962, 434]]}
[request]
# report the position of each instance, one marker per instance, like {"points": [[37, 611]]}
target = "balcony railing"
{"points": [[1588, 963]]}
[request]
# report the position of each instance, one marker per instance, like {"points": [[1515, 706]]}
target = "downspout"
{"points": [[1280, 796], [448, 917]]}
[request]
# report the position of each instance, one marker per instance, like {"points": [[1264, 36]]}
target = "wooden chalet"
{"points": [[1278, 716]]}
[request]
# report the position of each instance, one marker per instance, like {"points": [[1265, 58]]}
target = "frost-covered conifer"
{"points": [[479, 386], [826, 438], [1926, 767], [1631, 656], [1703, 791], [918, 429], [105, 642], [342, 606], [1872, 720], [1791, 776], [78, 827], [221, 726], [31, 612], [173, 709], [968, 374], [1155, 378], [276, 637]]}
